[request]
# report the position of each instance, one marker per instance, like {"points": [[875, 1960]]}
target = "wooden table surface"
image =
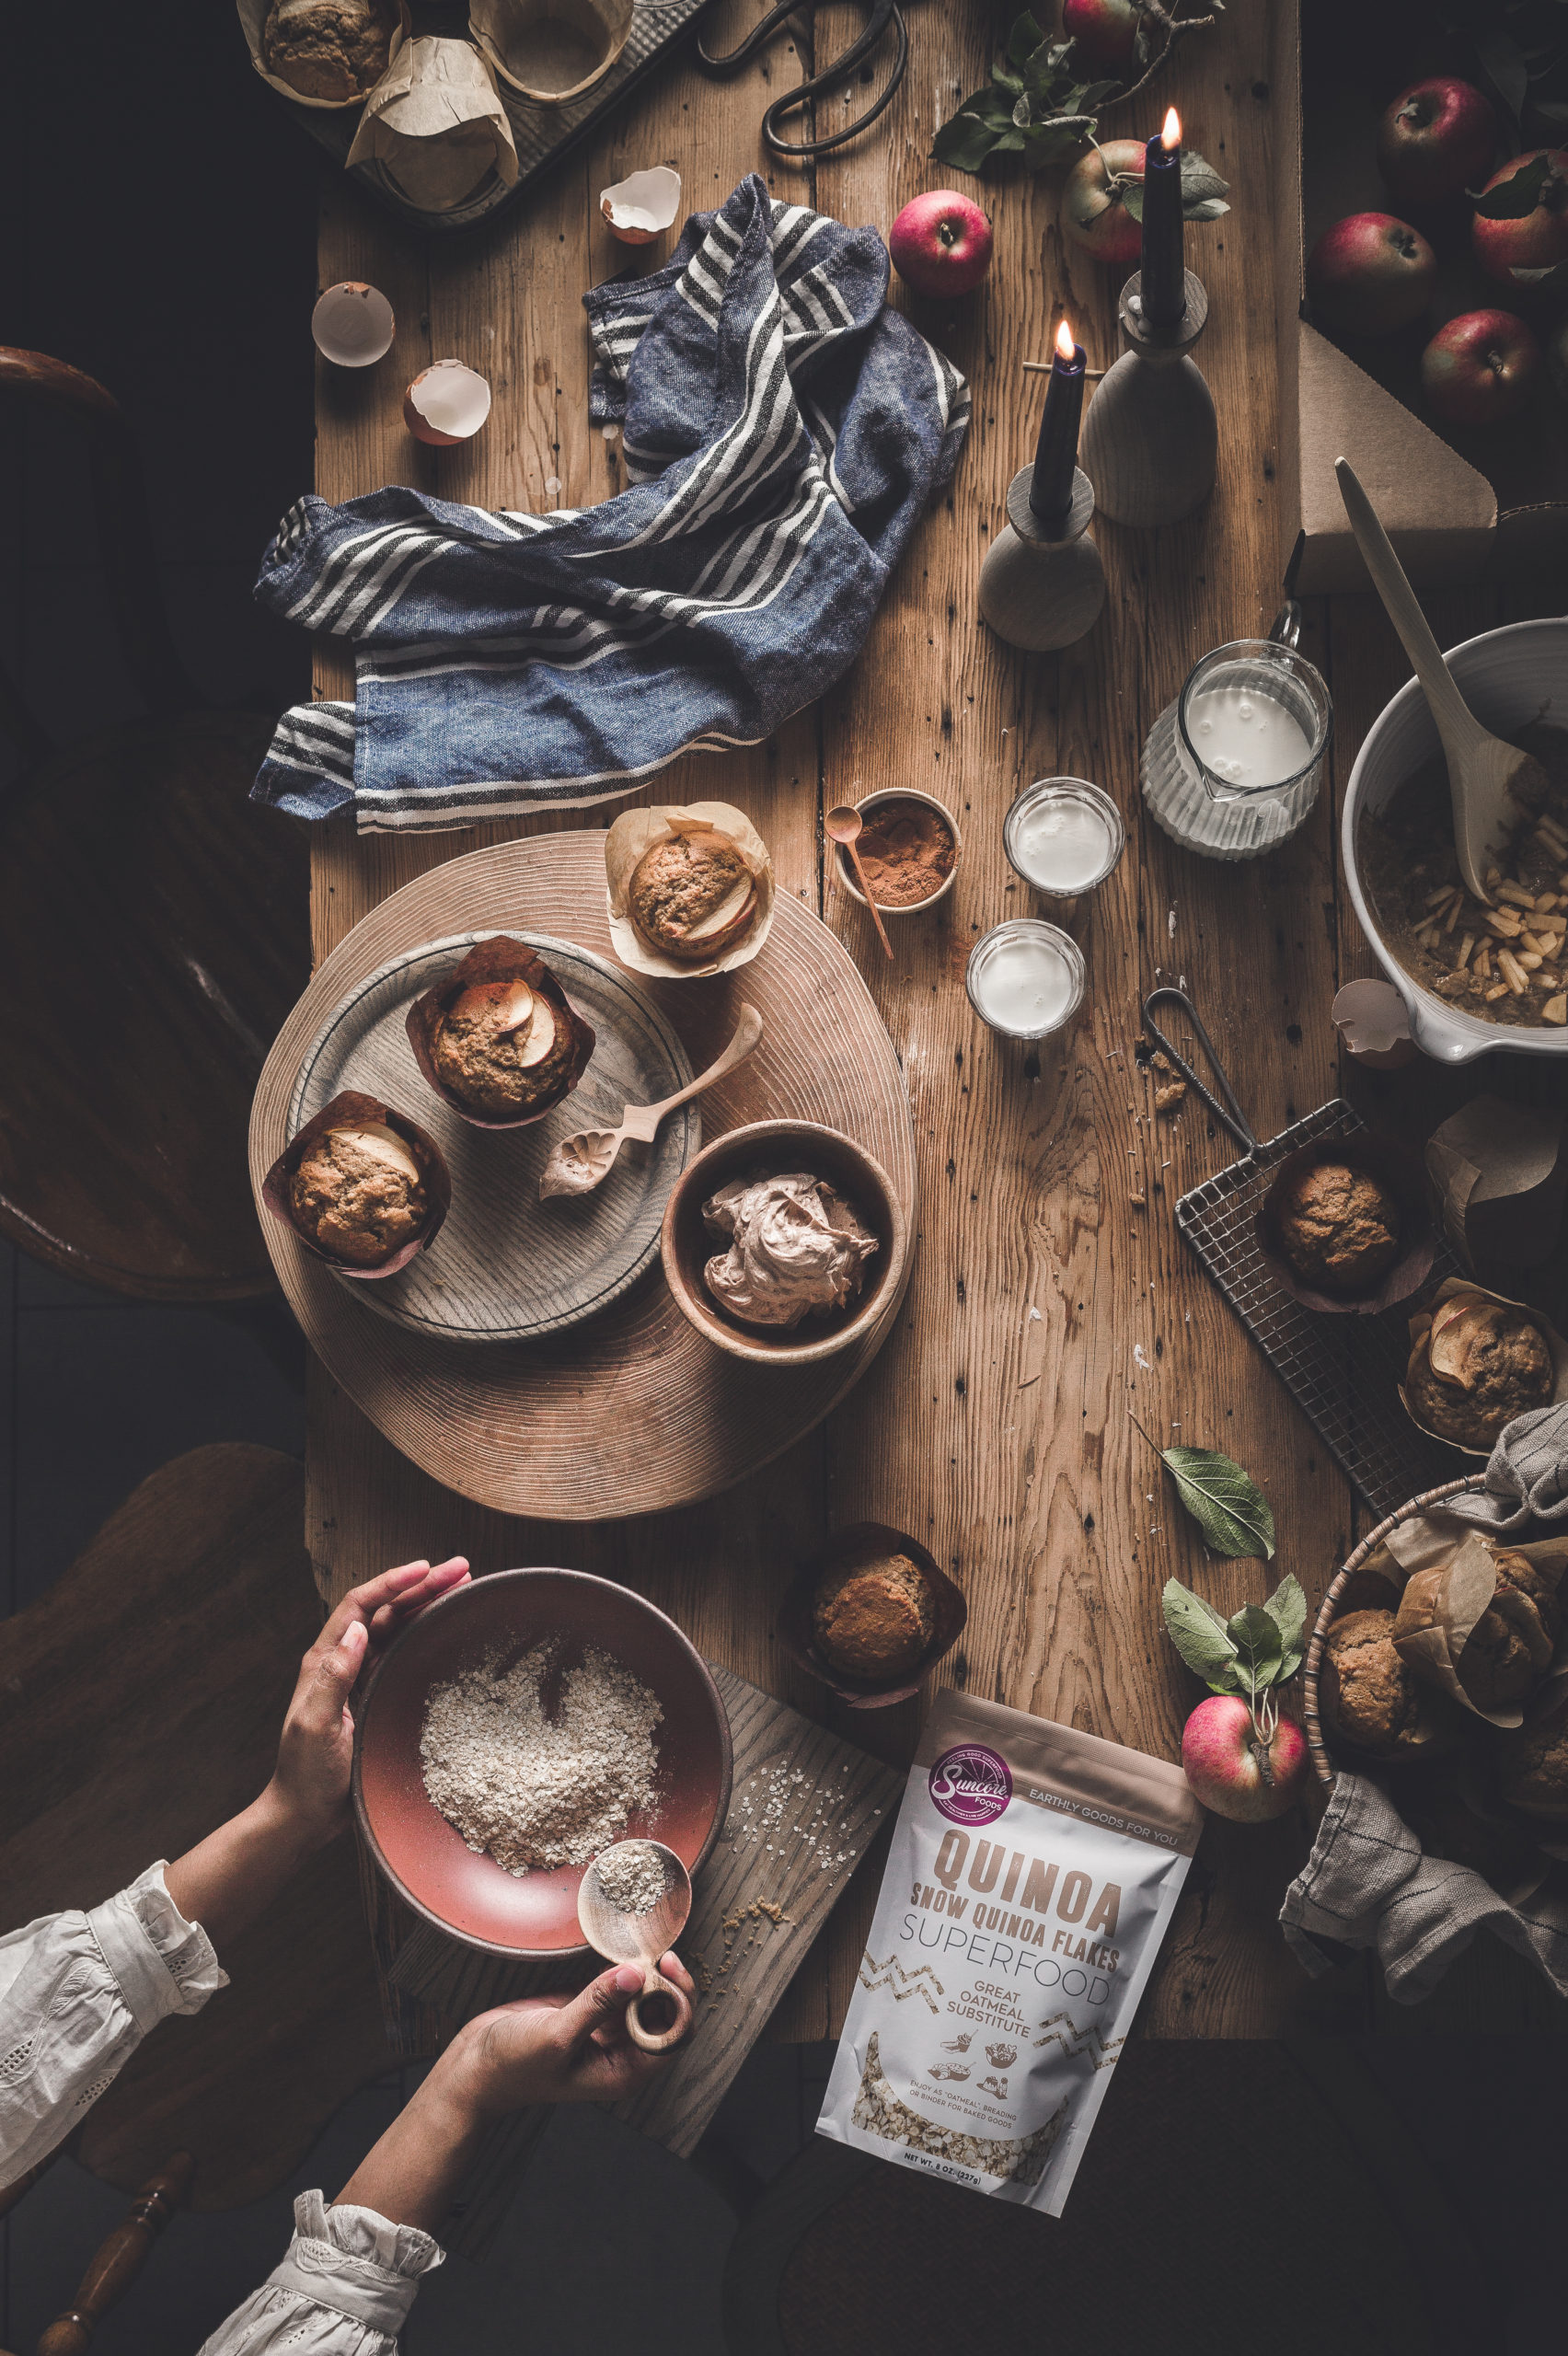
{"points": [[1046, 1307]]}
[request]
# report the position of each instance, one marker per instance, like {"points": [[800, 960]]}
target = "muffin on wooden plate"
{"points": [[361, 1186], [498, 1038]]}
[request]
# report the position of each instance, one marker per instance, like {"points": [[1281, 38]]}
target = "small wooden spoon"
{"points": [[578, 1164], [1485, 773], [641, 1939], [844, 825]]}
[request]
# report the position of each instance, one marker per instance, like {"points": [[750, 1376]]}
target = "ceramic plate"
{"points": [[507, 1267]]}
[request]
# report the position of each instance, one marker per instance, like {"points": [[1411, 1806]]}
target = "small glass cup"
{"points": [[1067, 794], [1203, 797], [1025, 979]]}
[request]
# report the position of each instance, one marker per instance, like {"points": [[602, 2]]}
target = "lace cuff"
{"points": [[354, 2262], [162, 1963]]}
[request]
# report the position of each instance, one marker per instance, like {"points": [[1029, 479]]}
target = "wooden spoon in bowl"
{"points": [[1485, 775], [844, 825], [641, 1939], [578, 1164]]}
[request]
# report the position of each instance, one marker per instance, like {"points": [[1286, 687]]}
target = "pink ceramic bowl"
{"points": [[532, 1918]]}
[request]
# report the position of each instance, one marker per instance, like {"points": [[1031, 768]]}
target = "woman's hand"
{"points": [[546, 2048], [310, 1783], [227, 1878]]}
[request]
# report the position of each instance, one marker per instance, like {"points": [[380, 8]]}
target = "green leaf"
{"points": [[1061, 135], [1224, 1502], [1005, 79], [1199, 181], [967, 138], [1286, 1607], [1025, 40], [1512, 200], [1132, 197], [1199, 1634], [1259, 1652]]}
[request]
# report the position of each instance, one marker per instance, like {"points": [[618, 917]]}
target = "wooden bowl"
{"points": [[912, 908], [1330, 1610], [769, 1148], [531, 1917]]}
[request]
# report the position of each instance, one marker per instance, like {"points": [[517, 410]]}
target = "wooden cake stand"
{"points": [[634, 1411]]}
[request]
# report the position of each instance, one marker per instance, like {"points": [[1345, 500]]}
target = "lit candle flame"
{"points": [[1066, 347], [1170, 131]]}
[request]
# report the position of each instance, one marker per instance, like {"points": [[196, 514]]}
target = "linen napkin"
{"points": [[783, 432], [1527, 1474]]}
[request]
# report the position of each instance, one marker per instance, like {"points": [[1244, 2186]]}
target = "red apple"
{"points": [[1437, 137], [1370, 274], [940, 243], [1103, 32], [1539, 240], [1481, 368], [1235, 1773], [1094, 216]]}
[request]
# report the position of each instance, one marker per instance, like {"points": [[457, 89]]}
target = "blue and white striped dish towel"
{"points": [[782, 431]]}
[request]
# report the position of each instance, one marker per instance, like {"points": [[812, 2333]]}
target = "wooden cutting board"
{"points": [[805, 1811]]}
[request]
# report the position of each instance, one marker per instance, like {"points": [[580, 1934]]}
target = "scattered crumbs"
{"points": [[1034, 1314], [1171, 922], [1139, 1359], [552, 485], [1138, 1202]]}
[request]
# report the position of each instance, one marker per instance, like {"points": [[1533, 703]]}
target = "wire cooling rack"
{"points": [[1343, 1372]]}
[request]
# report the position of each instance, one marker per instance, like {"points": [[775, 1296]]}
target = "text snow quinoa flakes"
{"points": [[1011, 1947]]}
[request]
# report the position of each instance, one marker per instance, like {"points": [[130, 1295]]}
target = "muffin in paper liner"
{"points": [[499, 958], [1431, 1320], [1400, 1173], [847, 1549], [628, 843], [1458, 1579], [351, 1110], [253, 15], [435, 124]]}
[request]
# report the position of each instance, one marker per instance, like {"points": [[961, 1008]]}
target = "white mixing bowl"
{"points": [[1509, 677]]}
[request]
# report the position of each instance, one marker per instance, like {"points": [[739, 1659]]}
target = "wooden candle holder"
{"points": [[1150, 438], [1043, 589]]}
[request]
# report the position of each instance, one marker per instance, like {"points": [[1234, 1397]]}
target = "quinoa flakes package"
{"points": [[1032, 1876]]}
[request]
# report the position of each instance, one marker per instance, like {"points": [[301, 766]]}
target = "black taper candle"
{"points": [[1163, 286], [1056, 453]]}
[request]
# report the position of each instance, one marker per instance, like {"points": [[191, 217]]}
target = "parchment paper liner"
{"points": [[499, 958], [343, 1111], [253, 17], [1462, 1558], [1421, 1326], [864, 1541], [635, 832], [1376, 1587], [501, 27], [1394, 1167], [435, 113], [1501, 1174]]}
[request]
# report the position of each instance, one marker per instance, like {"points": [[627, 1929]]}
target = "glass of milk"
{"points": [[1064, 836], [1025, 979], [1233, 767]]}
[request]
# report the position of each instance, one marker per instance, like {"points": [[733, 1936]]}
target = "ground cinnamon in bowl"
{"points": [[907, 850]]}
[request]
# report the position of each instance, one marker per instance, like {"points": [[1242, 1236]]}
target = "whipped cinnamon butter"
{"points": [[795, 1246]]}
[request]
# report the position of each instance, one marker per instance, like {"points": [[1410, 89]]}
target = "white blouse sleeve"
{"points": [[343, 2287], [79, 1992]]}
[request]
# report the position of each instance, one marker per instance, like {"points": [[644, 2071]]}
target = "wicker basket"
{"points": [[1329, 1610]]}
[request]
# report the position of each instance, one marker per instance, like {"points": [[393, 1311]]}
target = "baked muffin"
{"points": [[1532, 1767], [501, 1048], [692, 897], [1509, 1649], [359, 1192], [874, 1619], [1483, 1363], [1337, 1226], [1368, 1695], [335, 49]]}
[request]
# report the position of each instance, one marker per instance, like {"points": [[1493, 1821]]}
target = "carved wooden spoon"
{"points": [[578, 1164], [1485, 773], [844, 825], [643, 1940]]}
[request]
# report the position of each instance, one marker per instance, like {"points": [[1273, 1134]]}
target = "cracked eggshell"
{"points": [[634, 834], [354, 1111], [1456, 1290], [253, 16], [550, 50], [352, 325], [435, 125], [446, 403], [499, 958], [642, 206], [1373, 1026]]}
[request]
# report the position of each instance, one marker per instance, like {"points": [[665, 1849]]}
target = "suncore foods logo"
{"points": [[969, 1784]]}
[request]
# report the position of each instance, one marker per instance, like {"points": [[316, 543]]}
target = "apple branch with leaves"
{"points": [[1253, 1653]]}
